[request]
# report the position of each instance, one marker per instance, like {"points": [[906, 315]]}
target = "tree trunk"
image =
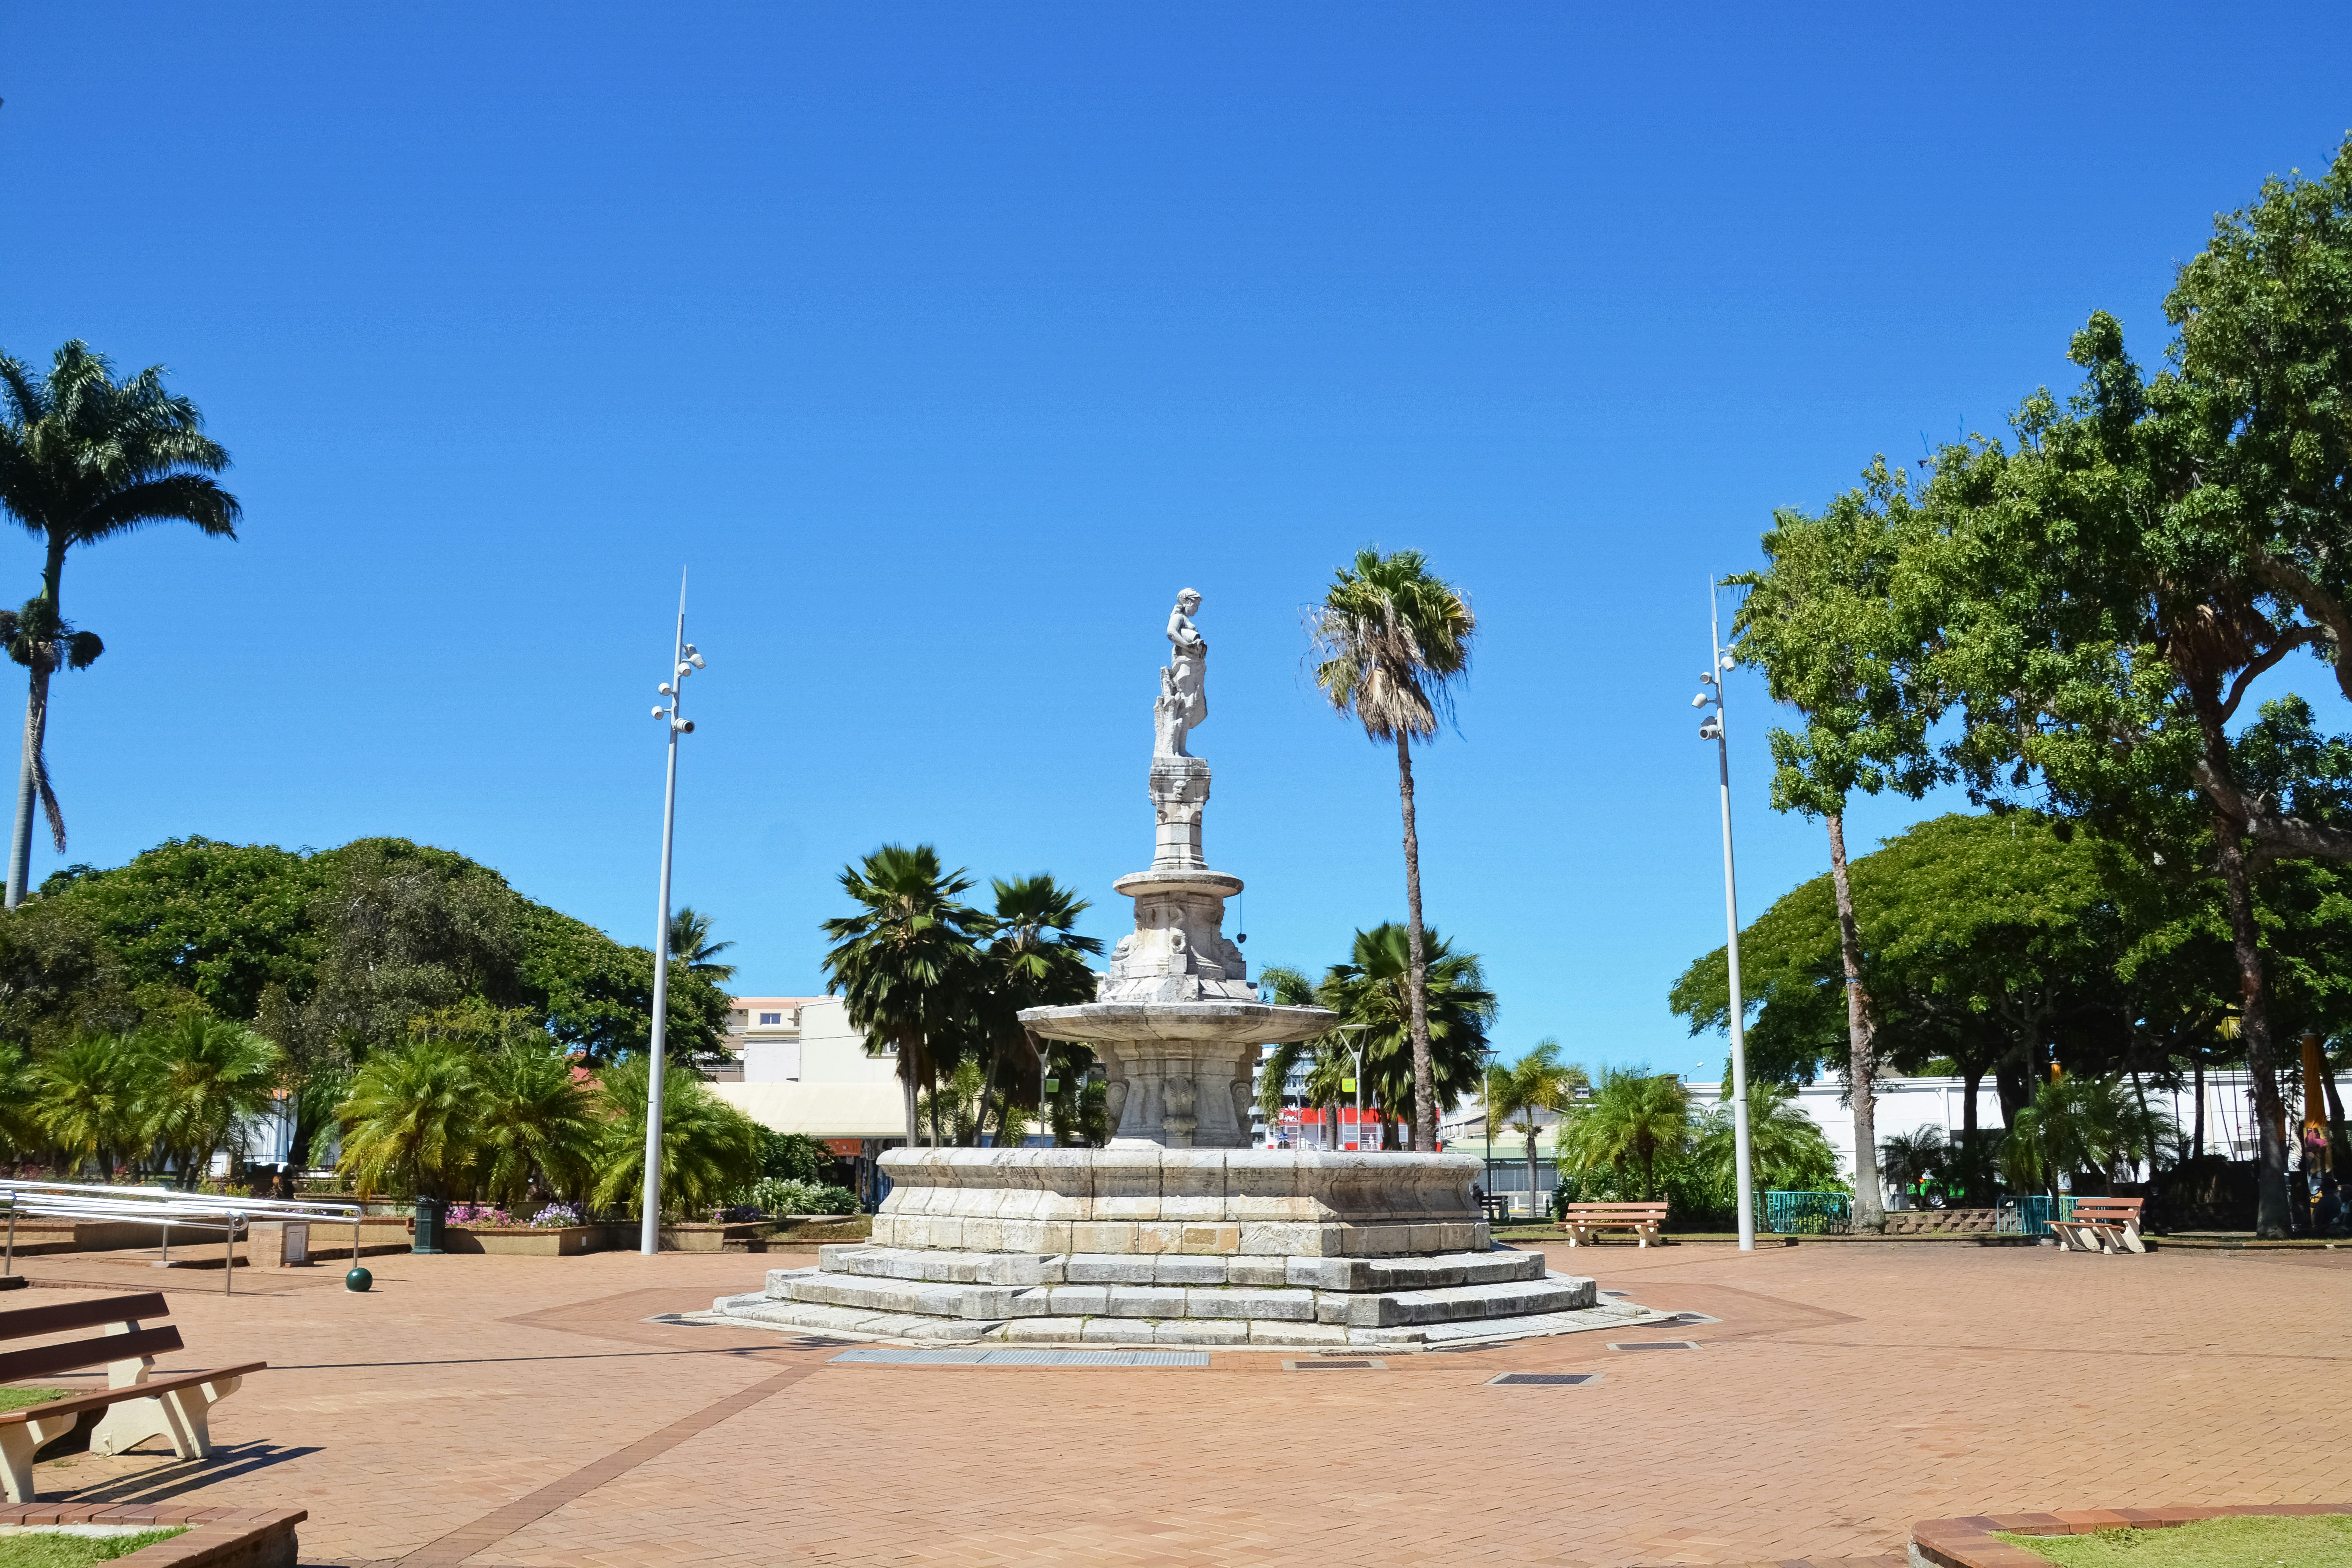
{"points": [[1531, 1170], [2201, 1105], [908, 1068], [1424, 1085], [37, 719], [2254, 1033], [1869, 1211]]}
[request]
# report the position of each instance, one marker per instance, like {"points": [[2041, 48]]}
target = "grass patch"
{"points": [[2318, 1541], [52, 1548], [18, 1398]]}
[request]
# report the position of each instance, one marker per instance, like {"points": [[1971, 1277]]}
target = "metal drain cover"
{"points": [[1335, 1363], [1529, 1379], [1653, 1344]]}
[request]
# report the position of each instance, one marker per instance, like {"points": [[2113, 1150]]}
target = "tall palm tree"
{"points": [[1631, 1118], [1423, 1031], [1327, 1057], [902, 961], [1391, 640], [1537, 1082], [85, 457], [690, 945], [1036, 959], [206, 1079]]}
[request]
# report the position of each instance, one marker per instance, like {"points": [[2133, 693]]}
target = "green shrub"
{"points": [[778, 1197]]}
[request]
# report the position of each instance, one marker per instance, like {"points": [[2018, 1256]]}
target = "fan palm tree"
{"points": [[534, 1123], [84, 458], [903, 962], [1389, 641], [710, 1151], [410, 1121], [1418, 1030], [1631, 1118], [205, 1078], [1537, 1082], [88, 1092], [1036, 959], [21, 1134], [690, 945], [1787, 1151], [2076, 1123]]}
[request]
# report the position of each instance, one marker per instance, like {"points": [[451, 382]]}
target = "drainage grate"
{"points": [[1672, 1319], [1653, 1344], [1616, 1293], [1333, 1364], [876, 1356], [1565, 1379]]}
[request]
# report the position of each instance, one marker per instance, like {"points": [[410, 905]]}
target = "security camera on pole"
{"points": [[1712, 730], [684, 662]]}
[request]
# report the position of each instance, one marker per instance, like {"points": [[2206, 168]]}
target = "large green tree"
{"points": [[1835, 622], [86, 458], [1035, 958], [1391, 641], [1424, 1031]]}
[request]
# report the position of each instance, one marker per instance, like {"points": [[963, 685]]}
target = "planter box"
{"points": [[216, 1538], [523, 1240], [689, 1237]]}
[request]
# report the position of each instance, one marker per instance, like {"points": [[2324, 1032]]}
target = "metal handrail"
{"points": [[167, 1207]]}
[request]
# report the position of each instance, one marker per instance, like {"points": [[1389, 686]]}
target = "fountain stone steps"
{"points": [[1437, 1271]]}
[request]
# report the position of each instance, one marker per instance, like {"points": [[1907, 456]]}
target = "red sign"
{"points": [[848, 1147]]}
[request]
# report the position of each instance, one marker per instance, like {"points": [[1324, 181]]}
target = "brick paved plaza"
{"points": [[524, 1412]]}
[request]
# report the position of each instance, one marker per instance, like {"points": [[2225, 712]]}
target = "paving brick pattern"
{"points": [[520, 1413]]}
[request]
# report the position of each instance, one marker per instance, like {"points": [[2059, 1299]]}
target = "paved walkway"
{"points": [[515, 1413]]}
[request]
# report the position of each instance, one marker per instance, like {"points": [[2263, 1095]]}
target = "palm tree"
{"points": [[1389, 641], [1036, 959], [690, 945], [710, 1151], [1787, 1151], [1632, 1118], [1539, 1081], [88, 1100], [205, 1078], [84, 458], [1913, 1159], [1327, 1059], [902, 962], [1431, 1033], [2080, 1123], [534, 1123], [410, 1121], [21, 1134]]}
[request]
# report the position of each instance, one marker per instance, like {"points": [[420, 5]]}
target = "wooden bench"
{"points": [[1584, 1222], [2101, 1225], [135, 1404]]}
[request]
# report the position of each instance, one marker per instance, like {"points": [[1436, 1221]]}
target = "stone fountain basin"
{"points": [[1221, 1023]]}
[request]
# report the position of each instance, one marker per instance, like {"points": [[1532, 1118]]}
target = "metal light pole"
{"points": [[1352, 1031], [1712, 730], [684, 661]]}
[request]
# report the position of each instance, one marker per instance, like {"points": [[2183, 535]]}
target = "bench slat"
{"points": [[100, 1398], [75, 1354], [25, 1322]]}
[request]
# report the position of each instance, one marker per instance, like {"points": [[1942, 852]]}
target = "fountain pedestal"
{"points": [[1179, 1232]]}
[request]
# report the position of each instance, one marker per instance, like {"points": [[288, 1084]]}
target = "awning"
{"points": [[822, 1109]]}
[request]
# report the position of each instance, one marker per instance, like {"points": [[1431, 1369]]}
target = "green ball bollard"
{"points": [[358, 1279]]}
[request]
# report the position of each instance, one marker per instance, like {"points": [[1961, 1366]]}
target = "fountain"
{"points": [[1179, 1232]]}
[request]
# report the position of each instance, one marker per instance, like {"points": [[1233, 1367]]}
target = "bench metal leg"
{"points": [[183, 1417], [18, 1444]]}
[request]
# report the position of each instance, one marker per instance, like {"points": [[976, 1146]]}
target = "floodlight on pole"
{"points": [[1711, 691], [684, 661]]}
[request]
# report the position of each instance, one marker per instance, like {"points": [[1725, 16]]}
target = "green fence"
{"points": [[2030, 1215], [1808, 1214]]}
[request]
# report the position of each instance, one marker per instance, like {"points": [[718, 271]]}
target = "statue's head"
{"points": [[1188, 601]]}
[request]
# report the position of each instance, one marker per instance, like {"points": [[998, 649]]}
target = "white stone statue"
{"points": [[1183, 704]]}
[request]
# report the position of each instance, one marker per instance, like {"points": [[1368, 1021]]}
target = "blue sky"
{"points": [[945, 343]]}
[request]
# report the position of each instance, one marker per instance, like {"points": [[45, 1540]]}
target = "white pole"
{"points": [[1744, 1169], [649, 1233]]}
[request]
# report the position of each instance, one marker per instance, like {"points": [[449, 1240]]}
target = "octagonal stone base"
{"points": [[1197, 1246]]}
